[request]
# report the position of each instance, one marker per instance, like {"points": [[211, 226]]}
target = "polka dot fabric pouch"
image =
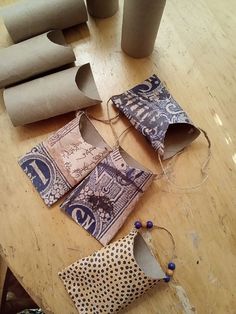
{"points": [[155, 113], [112, 278], [102, 202], [64, 159]]}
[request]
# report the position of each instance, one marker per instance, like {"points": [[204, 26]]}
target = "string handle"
{"points": [[165, 171], [171, 265], [110, 121], [204, 166]]}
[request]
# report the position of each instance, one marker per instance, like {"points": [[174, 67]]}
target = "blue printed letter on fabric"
{"points": [[63, 160], [103, 200]]}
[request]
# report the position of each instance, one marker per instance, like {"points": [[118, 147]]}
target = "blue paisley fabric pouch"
{"points": [[153, 111]]}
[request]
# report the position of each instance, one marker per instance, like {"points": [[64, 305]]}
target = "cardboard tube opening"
{"points": [[85, 82], [51, 95], [177, 137], [34, 56], [56, 37], [28, 18], [130, 161], [90, 134], [145, 259], [102, 8]]}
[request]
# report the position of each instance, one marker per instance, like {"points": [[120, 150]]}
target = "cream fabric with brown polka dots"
{"points": [[113, 277]]}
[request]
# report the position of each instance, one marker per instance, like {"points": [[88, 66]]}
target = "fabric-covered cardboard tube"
{"points": [[29, 18], [108, 195], [34, 56], [128, 267], [65, 158], [51, 95], [141, 20], [102, 8], [154, 112]]}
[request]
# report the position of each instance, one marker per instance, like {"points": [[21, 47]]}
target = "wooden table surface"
{"points": [[195, 56]]}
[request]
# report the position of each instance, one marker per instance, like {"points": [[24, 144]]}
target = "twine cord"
{"points": [[204, 170], [165, 170], [171, 237], [152, 247]]}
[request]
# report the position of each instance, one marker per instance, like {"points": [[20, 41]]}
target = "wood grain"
{"points": [[195, 55]]}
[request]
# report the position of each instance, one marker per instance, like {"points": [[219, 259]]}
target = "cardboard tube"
{"points": [[102, 8], [34, 56], [141, 21], [51, 95], [154, 112], [32, 17], [114, 276]]}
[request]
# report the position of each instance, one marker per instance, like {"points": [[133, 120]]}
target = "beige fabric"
{"points": [[112, 278], [64, 159], [28, 18], [51, 95], [34, 56], [77, 148]]}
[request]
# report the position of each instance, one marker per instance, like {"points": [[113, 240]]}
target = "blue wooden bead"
{"points": [[171, 266], [149, 224], [167, 279], [138, 224]]}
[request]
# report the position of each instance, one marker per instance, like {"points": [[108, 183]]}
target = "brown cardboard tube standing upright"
{"points": [[32, 17], [34, 56], [102, 8], [141, 20], [51, 95]]}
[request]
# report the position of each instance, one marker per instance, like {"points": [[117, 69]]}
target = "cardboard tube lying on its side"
{"points": [[141, 19], [32, 17], [51, 95], [102, 8], [34, 56]]}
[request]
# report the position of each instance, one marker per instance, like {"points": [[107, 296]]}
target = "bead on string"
{"points": [[171, 265]]}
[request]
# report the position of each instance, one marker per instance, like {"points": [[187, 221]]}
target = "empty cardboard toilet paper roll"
{"points": [[34, 56], [51, 95], [102, 8], [113, 277], [32, 17], [141, 21]]}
